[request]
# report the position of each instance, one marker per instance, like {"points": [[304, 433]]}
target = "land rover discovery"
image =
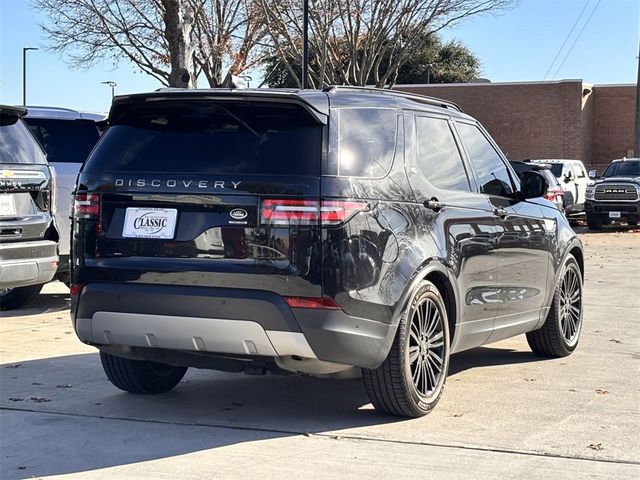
{"points": [[312, 232]]}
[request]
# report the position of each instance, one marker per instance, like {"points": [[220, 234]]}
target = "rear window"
{"points": [[65, 141], [17, 145], [556, 169], [211, 138]]}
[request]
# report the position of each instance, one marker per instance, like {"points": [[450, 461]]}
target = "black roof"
{"points": [[316, 102], [13, 110]]}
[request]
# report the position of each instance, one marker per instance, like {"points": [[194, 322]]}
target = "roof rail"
{"points": [[438, 102]]}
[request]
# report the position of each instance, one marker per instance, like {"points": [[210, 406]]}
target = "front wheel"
{"points": [[559, 335], [411, 379], [140, 376]]}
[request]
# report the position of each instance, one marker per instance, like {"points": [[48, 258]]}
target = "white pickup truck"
{"points": [[573, 177]]}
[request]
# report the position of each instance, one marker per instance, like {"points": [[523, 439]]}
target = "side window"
{"points": [[581, 172], [438, 156], [492, 173], [363, 141]]}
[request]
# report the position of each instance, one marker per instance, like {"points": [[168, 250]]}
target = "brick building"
{"points": [[560, 119]]}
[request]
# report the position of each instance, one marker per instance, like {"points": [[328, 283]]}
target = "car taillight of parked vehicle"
{"points": [[553, 194], [309, 212], [86, 205]]}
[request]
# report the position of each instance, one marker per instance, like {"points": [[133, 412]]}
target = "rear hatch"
{"points": [[207, 192], [25, 182]]}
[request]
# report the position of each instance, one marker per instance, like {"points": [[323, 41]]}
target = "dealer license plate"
{"points": [[7, 205], [150, 223], [614, 214]]}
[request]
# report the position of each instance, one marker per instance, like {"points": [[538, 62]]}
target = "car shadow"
{"points": [[489, 357], [69, 398], [42, 303]]}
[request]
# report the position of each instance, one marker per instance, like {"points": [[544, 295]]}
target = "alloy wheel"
{"points": [[426, 347], [570, 313]]}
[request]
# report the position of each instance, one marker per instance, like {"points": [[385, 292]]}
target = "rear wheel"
{"points": [[594, 223], [633, 222], [140, 376], [559, 335], [11, 298], [410, 381]]}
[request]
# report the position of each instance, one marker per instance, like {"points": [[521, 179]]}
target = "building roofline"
{"points": [[489, 84]]}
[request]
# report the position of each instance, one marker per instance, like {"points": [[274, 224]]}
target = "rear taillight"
{"points": [[308, 212], [553, 193], [75, 289], [86, 205], [312, 302], [52, 193]]}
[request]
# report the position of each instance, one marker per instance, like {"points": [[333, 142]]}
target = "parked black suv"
{"points": [[312, 231], [615, 196], [28, 236]]}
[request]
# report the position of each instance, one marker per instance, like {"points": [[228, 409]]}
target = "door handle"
{"points": [[500, 212], [433, 204]]}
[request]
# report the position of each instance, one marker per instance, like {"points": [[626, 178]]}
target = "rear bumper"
{"points": [[224, 321], [27, 263]]}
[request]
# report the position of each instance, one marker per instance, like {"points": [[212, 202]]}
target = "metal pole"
{"points": [[305, 44], [24, 73], [636, 141]]}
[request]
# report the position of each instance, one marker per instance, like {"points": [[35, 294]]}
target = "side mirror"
{"points": [[532, 185], [593, 174]]}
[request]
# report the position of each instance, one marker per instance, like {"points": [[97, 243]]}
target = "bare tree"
{"points": [[171, 40], [358, 40]]}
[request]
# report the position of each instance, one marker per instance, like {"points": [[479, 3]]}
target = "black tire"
{"points": [[140, 376], [594, 223], [393, 387], [633, 223], [560, 333], [12, 298]]}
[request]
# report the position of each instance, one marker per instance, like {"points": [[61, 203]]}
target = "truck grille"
{"points": [[616, 192]]}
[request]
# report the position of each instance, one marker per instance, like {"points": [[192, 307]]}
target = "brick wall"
{"points": [[613, 123], [564, 119]]}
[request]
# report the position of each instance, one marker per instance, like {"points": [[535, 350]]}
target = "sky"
{"points": [[516, 45]]}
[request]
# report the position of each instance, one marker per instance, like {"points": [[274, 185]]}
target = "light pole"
{"points": [[636, 141], [24, 73], [305, 44], [113, 86]]}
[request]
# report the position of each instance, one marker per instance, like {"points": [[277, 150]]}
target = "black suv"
{"points": [[312, 232], [615, 196], [28, 235]]}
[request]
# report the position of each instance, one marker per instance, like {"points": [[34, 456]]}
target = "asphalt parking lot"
{"points": [[505, 413]]}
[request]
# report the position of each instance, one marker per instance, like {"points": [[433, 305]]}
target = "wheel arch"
{"points": [[437, 273]]}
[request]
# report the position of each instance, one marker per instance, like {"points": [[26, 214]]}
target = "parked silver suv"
{"points": [[28, 234], [67, 136]]}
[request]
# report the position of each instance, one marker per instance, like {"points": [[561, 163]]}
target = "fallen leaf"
{"points": [[15, 365], [573, 390], [14, 399], [601, 391], [22, 467], [36, 383], [336, 437], [530, 379], [596, 446], [40, 399], [457, 415], [615, 340], [64, 385]]}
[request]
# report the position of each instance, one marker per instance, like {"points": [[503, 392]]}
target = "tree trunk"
{"points": [[178, 23]]}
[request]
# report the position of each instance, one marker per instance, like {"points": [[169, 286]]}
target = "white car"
{"points": [[67, 136], [573, 177]]}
